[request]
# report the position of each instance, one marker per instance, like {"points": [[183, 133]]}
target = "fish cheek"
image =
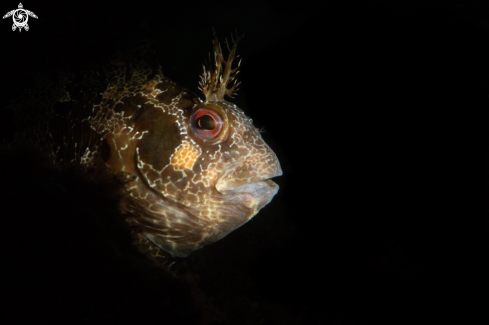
{"points": [[163, 136]]}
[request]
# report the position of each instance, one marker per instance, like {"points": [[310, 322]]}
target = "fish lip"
{"points": [[236, 189], [222, 182], [241, 188], [267, 181], [261, 192], [257, 193]]}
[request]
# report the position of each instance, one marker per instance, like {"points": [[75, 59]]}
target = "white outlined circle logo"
{"points": [[20, 17]]}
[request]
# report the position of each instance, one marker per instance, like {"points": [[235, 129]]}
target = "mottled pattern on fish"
{"points": [[198, 169]]}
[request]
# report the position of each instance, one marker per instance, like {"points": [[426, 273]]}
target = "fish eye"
{"points": [[206, 123]]}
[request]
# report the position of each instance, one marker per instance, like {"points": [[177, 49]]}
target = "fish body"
{"points": [[196, 169]]}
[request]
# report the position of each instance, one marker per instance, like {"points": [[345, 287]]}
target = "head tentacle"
{"points": [[214, 80]]}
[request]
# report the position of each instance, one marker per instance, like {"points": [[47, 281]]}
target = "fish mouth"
{"points": [[250, 183], [253, 195], [260, 193]]}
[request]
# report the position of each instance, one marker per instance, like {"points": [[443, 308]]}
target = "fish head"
{"points": [[202, 168], [201, 173]]}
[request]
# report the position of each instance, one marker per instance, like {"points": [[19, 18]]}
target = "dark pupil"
{"points": [[206, 122]]}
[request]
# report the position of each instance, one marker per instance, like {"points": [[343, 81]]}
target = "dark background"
{"points": [[378, 114]]}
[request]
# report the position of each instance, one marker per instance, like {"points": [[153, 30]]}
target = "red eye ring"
{"points": [[206, 123]]}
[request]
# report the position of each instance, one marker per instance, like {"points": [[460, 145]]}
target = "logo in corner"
{"points": [[20, 17]]}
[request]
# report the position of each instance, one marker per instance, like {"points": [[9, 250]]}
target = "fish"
{"points": [[195, 169]]}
